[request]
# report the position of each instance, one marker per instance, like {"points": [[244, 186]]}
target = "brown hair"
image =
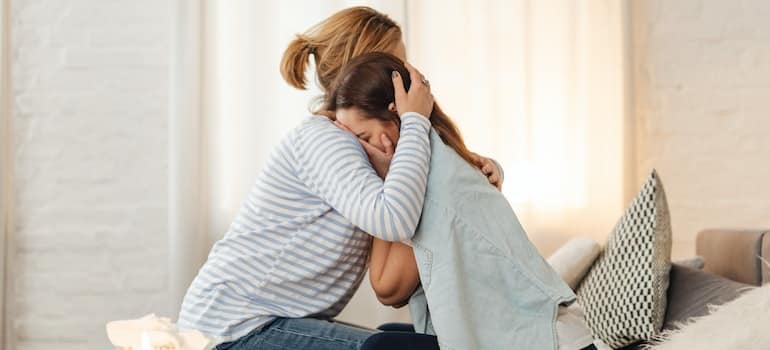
{"points": [[365, 83], [335, 41]]}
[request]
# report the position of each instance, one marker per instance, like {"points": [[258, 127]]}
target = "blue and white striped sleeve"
{"points": [[333, 164]]}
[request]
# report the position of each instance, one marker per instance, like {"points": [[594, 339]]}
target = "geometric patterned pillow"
{"points": [[624, 293]]}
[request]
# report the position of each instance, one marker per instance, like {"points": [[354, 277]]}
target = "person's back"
{"points": [[289, 252], [485, 284]]}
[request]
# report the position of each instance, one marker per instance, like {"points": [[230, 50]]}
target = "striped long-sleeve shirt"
{"points": [[299, 245]]}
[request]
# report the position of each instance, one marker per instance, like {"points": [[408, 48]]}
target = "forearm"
{"points": [[392, 271], [331, 163]]}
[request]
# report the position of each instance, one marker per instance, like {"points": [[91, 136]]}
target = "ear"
{"points": [[392, 107]]}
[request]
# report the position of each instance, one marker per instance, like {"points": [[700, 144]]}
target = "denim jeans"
{"points": [[301, 333], [316, 334]]}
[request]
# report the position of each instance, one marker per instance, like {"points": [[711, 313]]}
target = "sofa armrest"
{"points": [[736, 254]]}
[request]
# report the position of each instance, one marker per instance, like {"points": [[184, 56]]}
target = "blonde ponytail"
{"points": [[295, 61], [335, 41]]}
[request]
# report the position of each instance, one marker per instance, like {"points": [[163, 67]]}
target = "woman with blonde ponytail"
{"points": [[335, 41], [295, 62], [301, 243]]}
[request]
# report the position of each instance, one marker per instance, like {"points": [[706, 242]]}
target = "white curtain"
{"points": [[541, 86], [538, 85]]}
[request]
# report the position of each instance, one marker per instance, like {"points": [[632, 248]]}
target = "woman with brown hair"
{"points": [[361, 98], [298, 249]]}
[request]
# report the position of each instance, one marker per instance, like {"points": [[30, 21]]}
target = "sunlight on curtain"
{"points": [[539, 86]]}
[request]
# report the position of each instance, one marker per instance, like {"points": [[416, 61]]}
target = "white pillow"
{"points": [[573, 260]]}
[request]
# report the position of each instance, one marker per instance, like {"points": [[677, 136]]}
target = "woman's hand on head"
{"points": [[489, 168], [419, 99], [380, 159]]}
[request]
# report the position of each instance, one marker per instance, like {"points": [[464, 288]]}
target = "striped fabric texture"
{"points": [[299, 245]]}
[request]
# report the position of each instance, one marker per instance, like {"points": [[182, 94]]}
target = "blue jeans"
{"points": [[301, 333], [310, 333]]}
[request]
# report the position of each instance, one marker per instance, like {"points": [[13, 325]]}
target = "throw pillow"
{"points": [[624, 294]]}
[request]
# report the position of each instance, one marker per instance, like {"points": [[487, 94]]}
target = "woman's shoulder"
{"points": [[314, 121], [306, 126], [317, 133], [318, 126]]}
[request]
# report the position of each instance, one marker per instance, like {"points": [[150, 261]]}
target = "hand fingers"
{"points": [[414, 73], [400, 92], [389, 147], [416, 76], [493, 179], [370, 149], [418, 99], [487, 168]]}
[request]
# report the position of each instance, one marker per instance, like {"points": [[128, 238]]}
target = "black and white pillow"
{"points": [[624, 294]]}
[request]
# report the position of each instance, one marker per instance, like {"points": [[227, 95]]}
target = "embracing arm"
{"points": [[491, 169], [333, 165], [392, 272]]}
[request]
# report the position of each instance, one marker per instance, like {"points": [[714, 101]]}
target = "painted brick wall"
{"points": [[702, 87], [90, 103]]}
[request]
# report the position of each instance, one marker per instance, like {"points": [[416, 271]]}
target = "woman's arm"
{"points": [[333, 165], [393, 272]]}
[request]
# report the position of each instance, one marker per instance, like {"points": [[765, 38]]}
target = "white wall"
{"points": [[702, 85], [6, 172], [90, 113]]}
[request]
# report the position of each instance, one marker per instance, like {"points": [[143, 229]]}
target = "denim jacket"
{"points": [[484, 284]]}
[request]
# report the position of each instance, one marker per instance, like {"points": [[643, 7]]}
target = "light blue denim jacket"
{"points": [[484, 285]]}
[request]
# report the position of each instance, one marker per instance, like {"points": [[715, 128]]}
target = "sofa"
{"points": [[732, 260]]}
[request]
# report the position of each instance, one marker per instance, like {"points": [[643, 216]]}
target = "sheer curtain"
{"points": [[541, 86], [538, 85]]}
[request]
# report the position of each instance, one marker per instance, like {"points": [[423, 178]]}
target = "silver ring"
{"points": [[426, 82]]}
